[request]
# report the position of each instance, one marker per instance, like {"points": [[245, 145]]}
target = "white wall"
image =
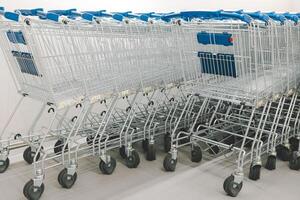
{"points": [[8, 95], [295, 5]]}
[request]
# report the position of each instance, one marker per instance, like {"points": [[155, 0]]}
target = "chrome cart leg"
{"points": [[167, 142]]}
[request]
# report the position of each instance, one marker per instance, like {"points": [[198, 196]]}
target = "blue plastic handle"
{"points": [[96, 13], [200, 14], [52, 16], [12, 16], [89, 15], [188, 15], [259, 15], [277, 17], [118, 17], [69, 12], [243, 17], [155, 15], [254, 15], [162, 14], [237, 11], [167, 17], [292, 17], [148, 14], [129, 14], [125, 14], [101, 13], [75, 14], [144, 18], [30, 12], [1, 8]]}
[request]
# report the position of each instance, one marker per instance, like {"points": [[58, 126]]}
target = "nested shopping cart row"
{"points": [[223, 83]]}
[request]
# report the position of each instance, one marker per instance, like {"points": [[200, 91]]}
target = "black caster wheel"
{"points": [[59, 178], [28, 155], [133, 160], [170, 163], [294, 144], [145, 145], [108, 168], [196, 154], [226, 182], [283, 153], [31, 192], [122, 152], [66, 180], [232, 188], [167, 142], [254, 173], [294, 162], [151, 153], [271, 162], [4, 165], [58, 147]]}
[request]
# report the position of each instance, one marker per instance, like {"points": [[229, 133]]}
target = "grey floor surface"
{"points": [[149, 181]]}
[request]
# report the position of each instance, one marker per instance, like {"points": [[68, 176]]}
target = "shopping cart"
{"points": [[243, 63], [75, 61]]}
